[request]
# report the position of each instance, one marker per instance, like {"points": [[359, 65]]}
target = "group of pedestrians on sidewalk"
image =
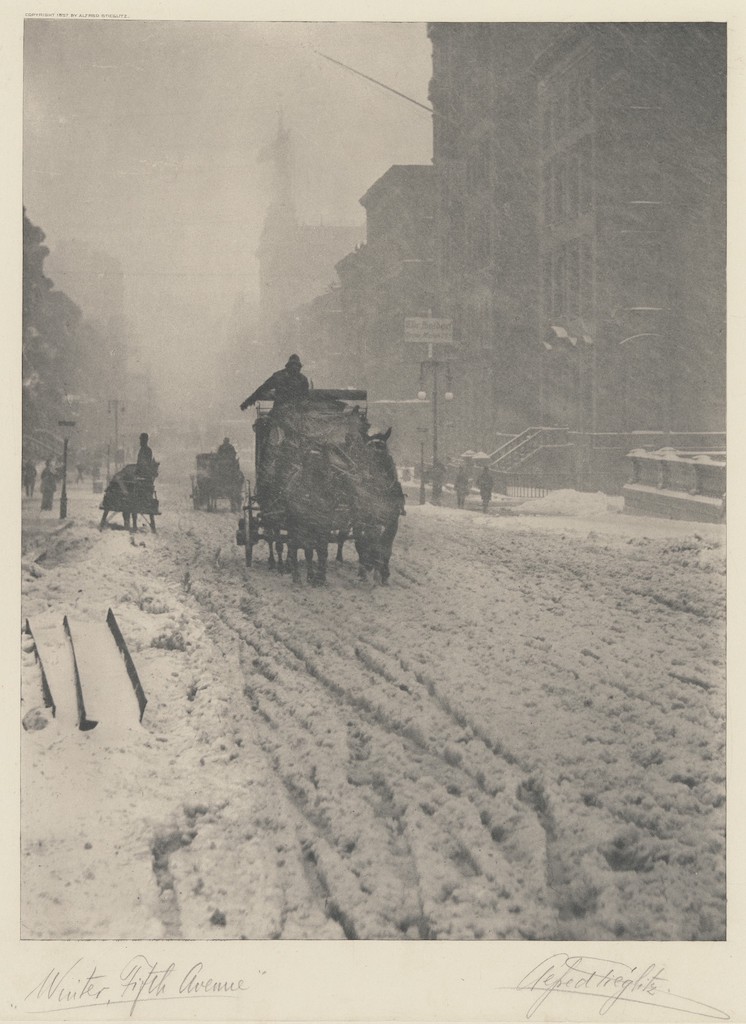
{"points": [[485, 482]]}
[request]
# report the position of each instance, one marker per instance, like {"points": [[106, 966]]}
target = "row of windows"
{"points": [[568, 279], [567, 184], [569, 106]]}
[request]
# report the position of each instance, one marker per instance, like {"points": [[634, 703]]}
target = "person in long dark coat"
{"points": [[29, 477], [48, 486], [287, 385], [462, 486], [485, 482], [145, 467], [438, 478]]}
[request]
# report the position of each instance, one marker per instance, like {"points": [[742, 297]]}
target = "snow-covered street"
{"points": [[522, 736]]}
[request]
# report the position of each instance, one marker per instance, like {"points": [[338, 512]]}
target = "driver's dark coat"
{"points": [[283, 386]]}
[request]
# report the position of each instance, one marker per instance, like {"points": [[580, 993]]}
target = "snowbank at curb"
{"points": [[572, 503]]}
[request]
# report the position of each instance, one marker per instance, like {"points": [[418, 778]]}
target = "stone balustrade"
{"points": [[678, 484]]}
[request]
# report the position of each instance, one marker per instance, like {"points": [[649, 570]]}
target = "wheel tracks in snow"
{"points": [[362, 705], [371, 660], [377, 781], [358, 702]]}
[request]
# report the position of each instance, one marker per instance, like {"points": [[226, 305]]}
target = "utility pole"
{"points": [[116, 406]]}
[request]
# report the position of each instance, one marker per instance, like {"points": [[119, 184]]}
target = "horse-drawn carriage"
{"points": [[131, 492], [321, 478], [217, 476]]}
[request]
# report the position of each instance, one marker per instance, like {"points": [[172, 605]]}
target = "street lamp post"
{"points": [[434, 365], [423, 433], [117, 407], [68, 425]]}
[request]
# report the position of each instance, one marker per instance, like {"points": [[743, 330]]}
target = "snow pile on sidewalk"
{"points": [[572, 503]]}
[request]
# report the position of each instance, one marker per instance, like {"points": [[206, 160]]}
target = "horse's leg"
{"points": [[102, 524], [152, 524], [322, 551], [134, 522], [342, 536], [310, 567], [293, 559]]}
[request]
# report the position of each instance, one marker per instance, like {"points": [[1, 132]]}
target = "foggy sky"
{"points": [[141, 140]]}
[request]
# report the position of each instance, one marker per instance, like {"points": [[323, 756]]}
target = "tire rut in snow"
{"points": [[591, 806], [457, 782]]}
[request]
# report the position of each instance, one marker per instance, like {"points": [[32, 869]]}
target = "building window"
{"points": [[586, 277], [547, 284], [479, 241], [559, 190], [573, 103], [558, 284], [585, 95], [573, 186], [560, 114], [585, 172], [547, 184], [572, 300], [546, 127]]}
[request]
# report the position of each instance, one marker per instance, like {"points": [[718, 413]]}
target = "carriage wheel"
{"points": [[249, 526]]}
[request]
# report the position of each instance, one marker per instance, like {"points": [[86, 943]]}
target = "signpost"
{"points": [[429, 329]]}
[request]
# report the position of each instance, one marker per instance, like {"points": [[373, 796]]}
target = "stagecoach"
{"points": [[323, 427]]}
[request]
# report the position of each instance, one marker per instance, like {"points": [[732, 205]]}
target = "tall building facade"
{"points": [[580, 180], [632, 227], [485, 154], [390, 278]]}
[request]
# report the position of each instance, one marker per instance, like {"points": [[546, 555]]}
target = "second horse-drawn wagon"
{"points": [[217, 476], [320, 478]]}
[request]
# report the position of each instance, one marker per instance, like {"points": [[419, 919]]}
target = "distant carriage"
{"points": [[131, 492], [313, 478], [217, 476]]}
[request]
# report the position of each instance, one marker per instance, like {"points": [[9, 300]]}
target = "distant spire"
{"points": [[279, 154]]}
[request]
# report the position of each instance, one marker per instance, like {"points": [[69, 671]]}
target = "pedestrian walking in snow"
{"points": [[29, 477], [462, 486], [438, 478], [48, 486], [485, 482]]}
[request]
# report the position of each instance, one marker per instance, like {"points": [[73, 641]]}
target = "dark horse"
{"points": [[379, 501], [131, 492], [313, 494]]}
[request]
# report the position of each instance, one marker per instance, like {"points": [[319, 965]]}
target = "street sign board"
{"points": [[431, 329]]}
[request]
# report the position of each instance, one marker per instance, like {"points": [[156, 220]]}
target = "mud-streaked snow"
{"points": [[522, 736]]}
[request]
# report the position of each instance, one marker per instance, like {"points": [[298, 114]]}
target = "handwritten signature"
{"points": [[140, 980], [609, 980]]}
